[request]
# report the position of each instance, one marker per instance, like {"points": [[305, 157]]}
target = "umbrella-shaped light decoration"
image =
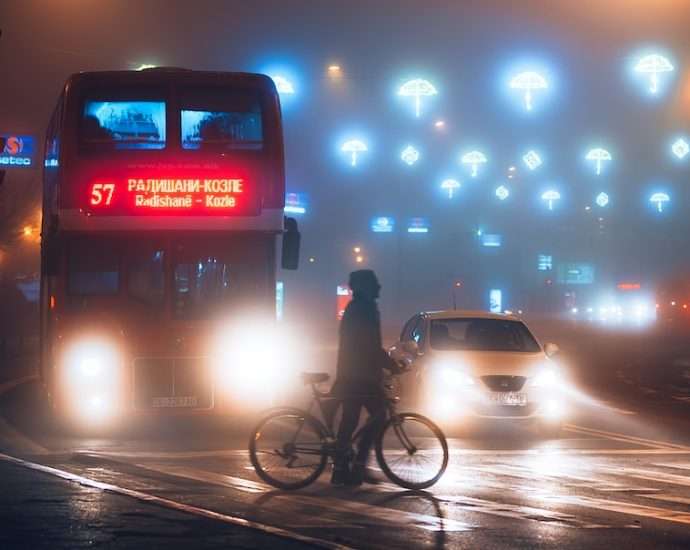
{"points": [[409, 155], [680, 148], [598, 155], [602, 199], [502, 192], [551, 196], [283, 85], [354, 146], [653, 65], [528, 82], [474, 159], [417, 88], [659, 199], [532, 160], [451, 186]]}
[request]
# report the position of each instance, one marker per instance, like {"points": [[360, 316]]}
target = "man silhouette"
{"points": [[359, 377]]}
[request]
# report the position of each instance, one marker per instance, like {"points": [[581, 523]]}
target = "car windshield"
{"points": [[481, 335]]}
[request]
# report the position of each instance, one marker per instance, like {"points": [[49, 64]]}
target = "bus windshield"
{"points": [[124, 124], [218, 119]]}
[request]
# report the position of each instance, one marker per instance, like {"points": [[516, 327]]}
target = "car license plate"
{"points": [[173, 402], [512, 398]]}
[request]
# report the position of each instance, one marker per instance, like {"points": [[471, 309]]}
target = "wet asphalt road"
{"points": [[619, 475]]}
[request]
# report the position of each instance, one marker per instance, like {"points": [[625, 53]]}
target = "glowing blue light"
{"points": [[659, 199], [280, 300], [598, 155], [296, 203], [551, 196], [492, 240], [528, 81], [502, 192], [451, 186], [653, 65], [283, 85], [409, 155], [474, 159], [602, 199], [495, 300], [382, 224], [417, 88], [544, 262], [680, 148], [532, 160], [418, 225], [353, 146]]}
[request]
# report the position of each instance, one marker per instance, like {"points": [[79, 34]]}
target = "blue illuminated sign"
{"points": [[545, 262], [532, 160], [575, 274], [16, 151], [417, 88], [652, 66], [492, 240], [296, 203], [382, 224], [418, 225], [659, 199], [409, 155], [680, 148], [474, 159], [495, 300], [528, 82], [354, 147], [602, 199], [598, 155], [502, 192]]}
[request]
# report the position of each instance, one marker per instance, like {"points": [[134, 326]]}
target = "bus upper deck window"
{"points": [[124, 124], [218, 119]]}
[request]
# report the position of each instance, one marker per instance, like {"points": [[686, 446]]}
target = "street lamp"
{"points": [[457, 285]]}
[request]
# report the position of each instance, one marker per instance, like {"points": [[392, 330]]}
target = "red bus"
{"points": [[163, 201]]}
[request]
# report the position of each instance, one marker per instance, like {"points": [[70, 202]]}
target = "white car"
{"points": [[468, 363]]}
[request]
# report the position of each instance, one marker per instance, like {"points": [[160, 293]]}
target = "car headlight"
{"points": [[545, 378], [453, 376]]}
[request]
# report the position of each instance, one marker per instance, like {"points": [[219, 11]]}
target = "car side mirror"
{"points": [[291, 244], [551, 349], [411, 347]]}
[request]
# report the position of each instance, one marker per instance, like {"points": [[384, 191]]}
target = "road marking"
{"points": [[628, 508], [533, 474], [629, 438], [651, 475], [381, 513], [173, 505], [517, 511]]}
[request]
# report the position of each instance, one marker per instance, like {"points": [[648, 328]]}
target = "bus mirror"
{"points": [[291, 243]]}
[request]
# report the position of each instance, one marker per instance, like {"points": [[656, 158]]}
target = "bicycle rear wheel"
{"points": [[412, 451], [287, 449]]}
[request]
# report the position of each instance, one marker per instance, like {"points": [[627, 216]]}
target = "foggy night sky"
{"points": [[466, 49]]}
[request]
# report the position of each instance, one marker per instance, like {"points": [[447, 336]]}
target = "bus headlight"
{"points": [[92, 361]]}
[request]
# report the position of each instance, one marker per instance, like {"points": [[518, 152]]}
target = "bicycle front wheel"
{"points": [[287, 449], [412, 451]]}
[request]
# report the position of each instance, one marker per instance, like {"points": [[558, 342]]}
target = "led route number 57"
{"points": [[102, 194]]}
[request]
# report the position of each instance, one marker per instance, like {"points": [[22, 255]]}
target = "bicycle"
{"points": [[290, 447]]}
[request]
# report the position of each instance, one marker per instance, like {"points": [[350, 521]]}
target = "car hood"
{"points": [[482, 363]]}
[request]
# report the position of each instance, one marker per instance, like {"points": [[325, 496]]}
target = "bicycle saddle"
{"points": [[314, 377]]}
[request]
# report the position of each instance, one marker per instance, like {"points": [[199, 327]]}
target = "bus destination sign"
{"points": [[171, 196]]}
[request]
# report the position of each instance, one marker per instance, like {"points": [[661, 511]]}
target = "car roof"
{"points": [[468, 314]]}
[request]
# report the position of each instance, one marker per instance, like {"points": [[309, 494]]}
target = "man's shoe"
{"points": [[340, 476], [361, 474]]}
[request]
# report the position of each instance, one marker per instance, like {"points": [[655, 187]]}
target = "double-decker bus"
{"points": [[163, 203]]}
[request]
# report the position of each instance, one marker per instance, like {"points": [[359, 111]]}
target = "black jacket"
{"points": [[361, 357]]}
